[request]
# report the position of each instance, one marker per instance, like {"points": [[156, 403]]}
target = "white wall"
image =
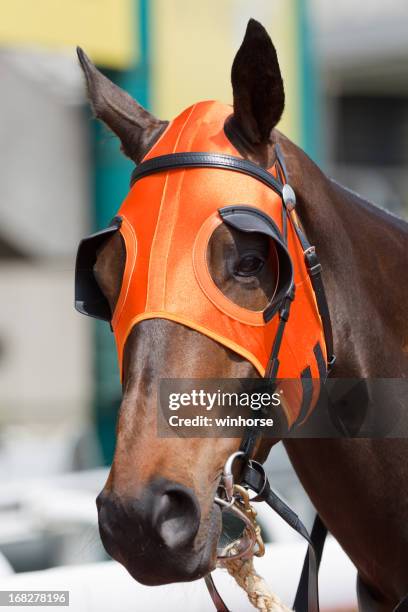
{"points": [[45, 207], [45, 363], [349, 31], [44, 149]]}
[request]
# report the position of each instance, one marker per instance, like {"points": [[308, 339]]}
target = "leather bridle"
{"points": [[177, 161], [90, 301], [253, 475]]}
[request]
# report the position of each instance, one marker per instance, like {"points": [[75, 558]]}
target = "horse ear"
{"points": [[257, 85], [137, 129]]}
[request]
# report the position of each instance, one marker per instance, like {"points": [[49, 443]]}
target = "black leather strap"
{"points": [[251, 433], [321, 364], [318, 538], [248, 442], [255, 478], [218, 601], [403, 605], [307, 394], [175, 161], [273, 363], [314, 270], [281, 161]]}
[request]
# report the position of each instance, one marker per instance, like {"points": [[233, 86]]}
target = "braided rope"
{"points": [[258, 592]]}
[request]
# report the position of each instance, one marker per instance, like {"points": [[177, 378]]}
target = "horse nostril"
{"points": [[176, 517]]}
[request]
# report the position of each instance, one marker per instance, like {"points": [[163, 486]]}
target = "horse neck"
{"points": [[362, 251]]}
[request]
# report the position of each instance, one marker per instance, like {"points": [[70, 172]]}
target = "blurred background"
{"points": [[345, 66]]}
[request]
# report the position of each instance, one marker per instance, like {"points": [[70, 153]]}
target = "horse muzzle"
{"points": [[155, 535]]}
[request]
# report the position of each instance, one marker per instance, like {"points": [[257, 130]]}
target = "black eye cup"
{"points": [[248, 219], [89, 299]]}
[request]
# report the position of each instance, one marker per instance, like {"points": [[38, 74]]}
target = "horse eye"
{"points": [[249, 265]]}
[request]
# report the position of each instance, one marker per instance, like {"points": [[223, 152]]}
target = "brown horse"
{"points": [[156, 512]]}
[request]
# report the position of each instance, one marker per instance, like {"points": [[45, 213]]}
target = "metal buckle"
{"points": [[289, 197], [227, 476], [331, 362], [309, 251], [309, 255], [239, 503]]}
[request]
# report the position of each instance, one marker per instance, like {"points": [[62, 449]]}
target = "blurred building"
{"points": [[362, 51], [47, 364], [62, 176], [345, 68], [45, 197]]}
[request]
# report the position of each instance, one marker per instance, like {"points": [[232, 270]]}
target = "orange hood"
{"points": [[167, 220], [191, 181]]}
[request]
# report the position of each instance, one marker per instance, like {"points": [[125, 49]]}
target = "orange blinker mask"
{"points": [[190, 182]]}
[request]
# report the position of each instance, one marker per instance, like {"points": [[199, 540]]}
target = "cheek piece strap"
{"points": [[253, 475]]}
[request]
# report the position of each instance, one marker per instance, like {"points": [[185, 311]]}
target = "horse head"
{"points": [[157, 514]]}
